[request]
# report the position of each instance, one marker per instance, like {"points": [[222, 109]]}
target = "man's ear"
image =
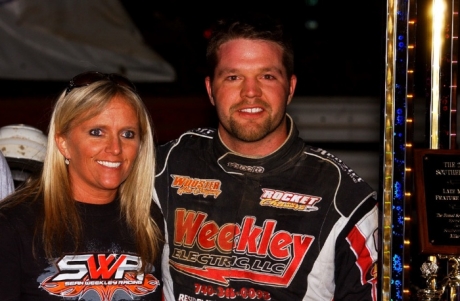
{"points": [[292, 84], [61, 144], [207, 82]]}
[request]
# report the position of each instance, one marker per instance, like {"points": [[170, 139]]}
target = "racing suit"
{"points": [[297, 224]]}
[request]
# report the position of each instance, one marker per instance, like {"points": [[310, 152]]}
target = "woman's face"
{"points": [[101, 151]]}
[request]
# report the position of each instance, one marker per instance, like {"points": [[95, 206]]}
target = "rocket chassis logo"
{"points": [[104, 274], [289, 200]]}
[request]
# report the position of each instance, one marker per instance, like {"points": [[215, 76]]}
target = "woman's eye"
{"points": [[129, 134], [95, 132]]}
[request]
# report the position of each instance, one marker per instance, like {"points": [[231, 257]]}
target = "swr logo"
{"points": [[75, 267], [101, 273]]}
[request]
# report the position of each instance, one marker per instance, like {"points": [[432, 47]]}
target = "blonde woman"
{"points": [[87, 228]]}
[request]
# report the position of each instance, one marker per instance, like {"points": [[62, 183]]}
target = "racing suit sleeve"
{"points": [[356, 257]]}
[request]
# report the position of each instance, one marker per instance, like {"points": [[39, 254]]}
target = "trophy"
{"points": [[450, 286], [451, 283], [429, 272]]}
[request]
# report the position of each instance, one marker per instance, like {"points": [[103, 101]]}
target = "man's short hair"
{"points": [[249, 26]]}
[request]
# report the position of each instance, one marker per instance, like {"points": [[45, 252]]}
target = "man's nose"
{"points": [[251, 87]]}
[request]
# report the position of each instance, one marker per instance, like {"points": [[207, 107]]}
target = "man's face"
{"points": [[250, 91]]}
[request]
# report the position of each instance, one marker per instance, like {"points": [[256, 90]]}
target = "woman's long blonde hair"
{"points": [[135, 193]]}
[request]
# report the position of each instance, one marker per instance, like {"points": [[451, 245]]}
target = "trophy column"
{"points": [[437, 167], [419, 186]]}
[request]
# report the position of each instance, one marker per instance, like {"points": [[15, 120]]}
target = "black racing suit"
{"points": [[297, 224]]}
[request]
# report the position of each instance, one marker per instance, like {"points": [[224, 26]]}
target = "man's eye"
{"points": [[129, 134], [269, 76], [95, 132], [232, 77]]}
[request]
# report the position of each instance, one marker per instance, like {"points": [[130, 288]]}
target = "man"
{"points": [[252, 212]]}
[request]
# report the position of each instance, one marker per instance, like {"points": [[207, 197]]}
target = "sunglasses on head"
{"points": [[88, 78]]}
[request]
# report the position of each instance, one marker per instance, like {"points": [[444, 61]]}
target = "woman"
{"points": [[87, 228]]}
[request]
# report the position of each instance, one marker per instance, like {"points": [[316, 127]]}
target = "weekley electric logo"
{"points": [[258, 254], [288, 200], [187, 185], [103, 274]]}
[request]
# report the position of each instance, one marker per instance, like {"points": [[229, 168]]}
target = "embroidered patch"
{"points": [[195, 186], [253, 169], [288, 200]]}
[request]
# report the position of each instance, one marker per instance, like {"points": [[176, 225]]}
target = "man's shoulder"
{"points": [[192, 141], [193, 134], [326, 155], [351, 189]]}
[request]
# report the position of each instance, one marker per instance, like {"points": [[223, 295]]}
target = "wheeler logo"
{"points": [[104, 274], [187, 185], [288, 200]]}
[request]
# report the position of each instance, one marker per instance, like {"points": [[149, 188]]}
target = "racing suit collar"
{"points": [[236, 163]]}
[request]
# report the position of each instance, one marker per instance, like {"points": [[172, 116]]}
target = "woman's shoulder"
{"points": [[20, 210]]}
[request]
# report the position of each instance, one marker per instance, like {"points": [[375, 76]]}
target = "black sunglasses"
{"points": [[88, 78]]}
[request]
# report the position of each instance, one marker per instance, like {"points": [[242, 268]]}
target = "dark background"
{"points": [[343, 55], [339, 45]]}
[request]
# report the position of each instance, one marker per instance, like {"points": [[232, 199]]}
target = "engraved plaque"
{"points": [[437, 185]]}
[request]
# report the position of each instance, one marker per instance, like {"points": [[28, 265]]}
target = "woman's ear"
{"points": [[61, 144]]}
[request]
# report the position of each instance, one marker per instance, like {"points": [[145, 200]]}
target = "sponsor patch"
{"points": [[215, 253], [253, 169], [195, 186], [288, 200]]}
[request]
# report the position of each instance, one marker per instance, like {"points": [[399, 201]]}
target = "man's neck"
{"points": [[256, 149]]}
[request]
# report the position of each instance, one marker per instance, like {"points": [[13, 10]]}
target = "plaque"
{"points": [[437, 187]]}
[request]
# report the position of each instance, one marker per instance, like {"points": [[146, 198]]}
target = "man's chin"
{"points": [[250, 134]]}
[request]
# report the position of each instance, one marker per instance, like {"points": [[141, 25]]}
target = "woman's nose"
{"points": [[114, 146]]}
